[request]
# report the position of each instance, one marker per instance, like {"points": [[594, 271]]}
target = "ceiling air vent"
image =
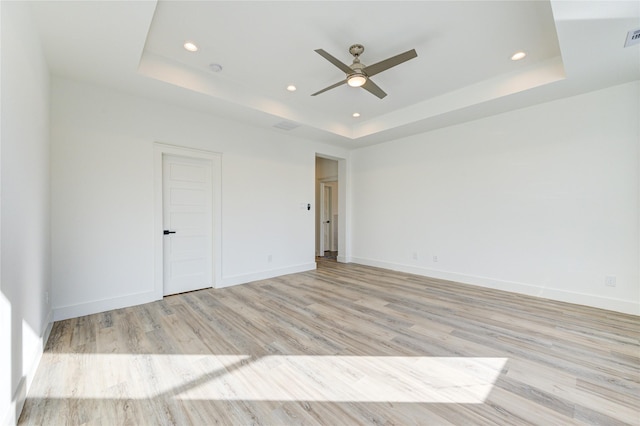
{"points": [[286, 125], [633, 37]]}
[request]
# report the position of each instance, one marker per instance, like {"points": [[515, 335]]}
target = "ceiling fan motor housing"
{"points": [[357, 77], [356, 49], [357, 68]]}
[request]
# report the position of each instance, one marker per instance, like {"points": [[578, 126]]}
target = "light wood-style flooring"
{"points": [[345, 344]]}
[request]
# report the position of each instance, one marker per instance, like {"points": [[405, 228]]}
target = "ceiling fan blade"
{"points": [[378, 67], [374, 88], [344, 67], [333, 86]]}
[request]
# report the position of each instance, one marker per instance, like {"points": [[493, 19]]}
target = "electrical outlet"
{"points": [[269, 258], [610, 281], [435, 258], [415, 255]]}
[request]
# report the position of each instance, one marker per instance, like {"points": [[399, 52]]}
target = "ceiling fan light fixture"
{"points": [[356, 80], [357, 74]]}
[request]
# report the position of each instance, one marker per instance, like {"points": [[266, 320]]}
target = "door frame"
{"points": [[159, 150], [344, 205]]}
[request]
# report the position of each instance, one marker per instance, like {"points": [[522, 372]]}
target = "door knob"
{"points": [[167, 232]]}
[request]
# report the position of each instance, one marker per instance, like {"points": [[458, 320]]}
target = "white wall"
{"points": [[24, 225], [102, 183], [542, 201]]}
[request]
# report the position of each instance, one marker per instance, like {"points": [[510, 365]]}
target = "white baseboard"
{"points": [[9, 418], [74, 311], [618, 305], [610, 304], [17, 403], [20, 395], [33, 367], [263, 275], [96, 306]]}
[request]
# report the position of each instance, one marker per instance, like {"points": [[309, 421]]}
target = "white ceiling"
{"points": [[463, 70]]}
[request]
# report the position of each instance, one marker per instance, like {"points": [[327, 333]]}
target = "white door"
{"points": [[187, 218]]}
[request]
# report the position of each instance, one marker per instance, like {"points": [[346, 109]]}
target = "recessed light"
{"points": [[292, 88], [355, 115], [518, 55], [190, 46]]}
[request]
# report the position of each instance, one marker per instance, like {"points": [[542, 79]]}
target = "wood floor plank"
{"points": [[344, 344]]}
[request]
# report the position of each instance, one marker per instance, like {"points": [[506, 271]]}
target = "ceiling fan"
{"points": [[358, 74]]}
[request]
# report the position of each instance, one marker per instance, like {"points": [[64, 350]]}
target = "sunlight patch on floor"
{"points": [[271, 378]]}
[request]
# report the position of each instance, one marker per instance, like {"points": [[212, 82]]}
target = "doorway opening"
{"points": [[327, 208]]}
